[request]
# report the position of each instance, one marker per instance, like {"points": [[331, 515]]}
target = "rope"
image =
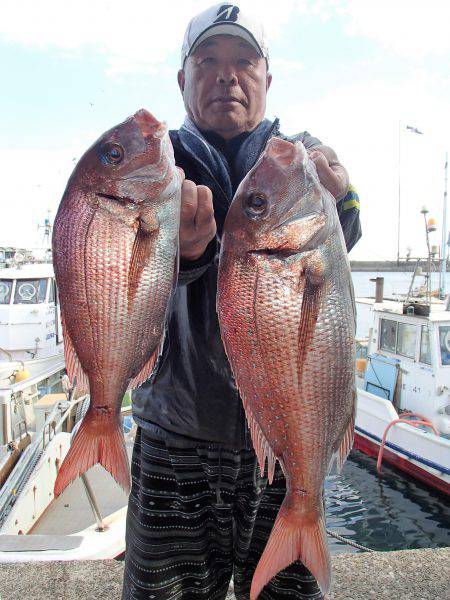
{"points": [[349, 542]]}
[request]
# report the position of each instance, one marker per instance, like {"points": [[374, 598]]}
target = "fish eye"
{"points": [[112, 153], [255, 205]]}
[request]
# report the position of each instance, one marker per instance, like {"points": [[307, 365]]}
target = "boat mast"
{"points": [[399, 192], [399, 168], [444, 235]]}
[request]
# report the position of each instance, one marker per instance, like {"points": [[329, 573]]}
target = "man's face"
{"points": [[224, 85]]}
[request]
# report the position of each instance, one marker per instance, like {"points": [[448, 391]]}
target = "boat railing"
{"points": [[30, 456], [22, 428]]}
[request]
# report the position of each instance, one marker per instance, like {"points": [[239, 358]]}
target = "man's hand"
{"points": [[197, 224], [332, 174]]}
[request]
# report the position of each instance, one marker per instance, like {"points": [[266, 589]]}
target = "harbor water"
{"points": [[393, 511]]}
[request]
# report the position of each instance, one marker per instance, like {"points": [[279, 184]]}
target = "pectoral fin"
{"points": [[312, 298], [143, 248]]}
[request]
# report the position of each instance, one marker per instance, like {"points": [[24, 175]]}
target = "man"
{"points": [[199, 510]]}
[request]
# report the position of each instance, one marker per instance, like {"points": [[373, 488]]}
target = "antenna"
{"points": [[47, 227], [443, 265]]}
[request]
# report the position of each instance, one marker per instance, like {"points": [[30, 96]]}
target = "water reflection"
{"points": [[393, 512]]}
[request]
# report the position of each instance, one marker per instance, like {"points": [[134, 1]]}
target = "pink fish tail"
{"points": [[293, 538], [96, 442]]}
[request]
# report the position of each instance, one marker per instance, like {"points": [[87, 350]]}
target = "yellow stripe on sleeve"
{"points": [[353, 203]]}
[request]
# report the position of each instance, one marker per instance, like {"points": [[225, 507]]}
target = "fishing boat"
{"points": [[87, 521], [403, 379], [31, 351], [403, 389], [38, 417]]}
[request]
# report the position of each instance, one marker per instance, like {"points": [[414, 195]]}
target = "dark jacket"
{"points": [[192, 394]]}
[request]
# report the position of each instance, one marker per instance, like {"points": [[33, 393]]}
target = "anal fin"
{"points": [[73, 365], [147, 369], [261, 445], [346, 443]]}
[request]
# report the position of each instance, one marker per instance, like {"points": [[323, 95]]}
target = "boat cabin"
{"points": [[30, 325], [408, 360]]}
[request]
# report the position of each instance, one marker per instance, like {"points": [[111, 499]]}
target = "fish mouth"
{"points": [[122, 200], [296, 238], [149, 125], [276, 252]]}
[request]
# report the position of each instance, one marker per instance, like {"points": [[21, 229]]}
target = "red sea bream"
{"points": [[286, 310], [115, 247]]}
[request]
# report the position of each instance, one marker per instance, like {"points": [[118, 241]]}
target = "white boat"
{"points": [[403, 390], [86, 522], [36, 423], [31, 352]]}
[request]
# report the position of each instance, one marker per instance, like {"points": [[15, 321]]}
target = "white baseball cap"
{"points": [[224, 19]]}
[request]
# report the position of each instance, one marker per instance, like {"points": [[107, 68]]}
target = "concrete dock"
{"points": [[405, 575]]}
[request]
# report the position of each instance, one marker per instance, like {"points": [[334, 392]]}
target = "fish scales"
{"points": [[115, 247], [285, 307]]}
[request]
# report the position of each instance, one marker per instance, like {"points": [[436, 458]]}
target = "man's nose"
{"points": [[227, 76]]}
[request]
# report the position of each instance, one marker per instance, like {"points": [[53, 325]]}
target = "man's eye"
{"points": [[208, 60], [244, 62]]}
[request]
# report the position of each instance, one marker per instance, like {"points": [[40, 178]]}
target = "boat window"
{"points": [[5, 290], [30, 291], [444, 343], [406, 340], [388, 336], [425, 352], [51, 296]]}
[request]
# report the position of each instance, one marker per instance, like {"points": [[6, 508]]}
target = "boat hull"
{"points": [[420, 454], [366, 443]]}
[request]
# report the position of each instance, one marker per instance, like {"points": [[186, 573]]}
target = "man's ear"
{"points": [[181, 80], [268, 80]]}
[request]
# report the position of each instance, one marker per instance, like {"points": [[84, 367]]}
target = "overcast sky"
{"points": [[348, 71]]}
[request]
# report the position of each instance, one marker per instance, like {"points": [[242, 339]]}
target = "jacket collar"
{"points": [[212, 161]]}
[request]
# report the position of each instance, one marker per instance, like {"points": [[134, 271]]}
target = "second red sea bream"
{"points": [[286, 311]]}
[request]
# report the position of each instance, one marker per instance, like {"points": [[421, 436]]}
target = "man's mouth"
{"points": [[226, 99]]}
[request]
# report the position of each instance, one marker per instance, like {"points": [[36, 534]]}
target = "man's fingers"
{"points": [[320, 160], [205, 209], [188, 202], [197, 224]]}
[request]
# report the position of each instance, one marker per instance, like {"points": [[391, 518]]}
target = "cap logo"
{"points": [[227, 12]]}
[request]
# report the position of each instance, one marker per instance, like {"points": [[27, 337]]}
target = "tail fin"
{"points": [[96, 442], [291, 539]]}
